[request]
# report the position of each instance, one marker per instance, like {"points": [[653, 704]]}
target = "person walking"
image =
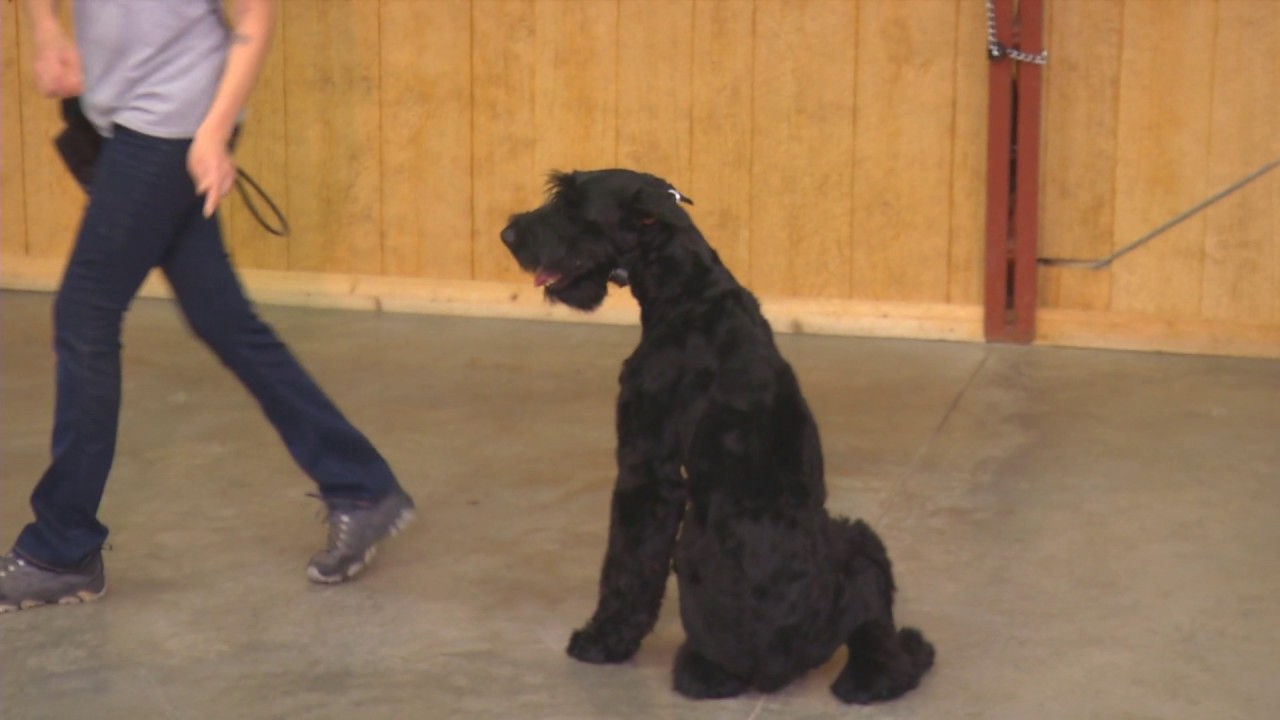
{"points": [[165, 84]]}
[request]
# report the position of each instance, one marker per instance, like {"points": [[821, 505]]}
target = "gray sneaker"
{"points": [[355, 529], [23, 585]]}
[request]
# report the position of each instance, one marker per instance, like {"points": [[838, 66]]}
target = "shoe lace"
{"points": [[10, 563], [339, 525]]}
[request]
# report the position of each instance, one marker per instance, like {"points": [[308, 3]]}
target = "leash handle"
{"points": [[243, 178]]}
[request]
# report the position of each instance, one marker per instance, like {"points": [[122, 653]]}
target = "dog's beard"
{"points": [[584, 291], [571, 270]]}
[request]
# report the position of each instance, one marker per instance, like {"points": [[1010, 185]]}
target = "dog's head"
{"points": [[590, 229]]}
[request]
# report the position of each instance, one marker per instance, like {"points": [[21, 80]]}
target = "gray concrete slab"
{"points": [[1083, 534]]}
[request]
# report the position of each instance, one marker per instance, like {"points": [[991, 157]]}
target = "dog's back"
{"points": [[770, 584]]}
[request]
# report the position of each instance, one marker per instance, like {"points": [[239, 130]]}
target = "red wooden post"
{"points": [[1013, 166], [999, 195]]}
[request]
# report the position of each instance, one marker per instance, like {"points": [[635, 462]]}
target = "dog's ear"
{"points": [[560, 183], [661, 204]]}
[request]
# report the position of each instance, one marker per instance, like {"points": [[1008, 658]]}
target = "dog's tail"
{"points": [[884, 661]]}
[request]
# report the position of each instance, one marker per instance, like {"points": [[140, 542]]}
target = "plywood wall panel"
{"points": [[426, 138], [1162, 156], [332, 116], [802, 178], [575, 90], [902, 152], [1242, 238], [968, 157], [1078, 168], [654, 77], [505, 177], [13, 211], [722, 102]]}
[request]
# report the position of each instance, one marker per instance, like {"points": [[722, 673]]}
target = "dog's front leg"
{"points": [[648, 503]]}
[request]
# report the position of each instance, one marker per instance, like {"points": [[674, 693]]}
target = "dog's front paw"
{"points": [[600, 644]]}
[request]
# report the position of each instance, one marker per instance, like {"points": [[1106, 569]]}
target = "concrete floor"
{"points": [[1082, 534]]}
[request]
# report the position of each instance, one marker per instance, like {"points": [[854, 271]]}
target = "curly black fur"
{"points": [[719, 464]]}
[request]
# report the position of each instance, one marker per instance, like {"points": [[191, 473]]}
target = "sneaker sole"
{"points": [[79, 598], [403, 521]]}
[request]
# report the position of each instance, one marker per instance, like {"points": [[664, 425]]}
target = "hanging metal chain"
{"points": [[997, 50]]}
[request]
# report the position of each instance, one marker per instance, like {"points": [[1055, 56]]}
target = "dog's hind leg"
{"points": [[647, 505], [884, 661], [697, 677]]}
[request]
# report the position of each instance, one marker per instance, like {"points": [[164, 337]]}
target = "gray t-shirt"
{"points": [[150, 65]]}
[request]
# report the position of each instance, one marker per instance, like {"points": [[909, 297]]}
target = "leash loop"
{"points": [[243, 178]]}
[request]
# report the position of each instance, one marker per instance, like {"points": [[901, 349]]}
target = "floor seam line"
{"points": [[910, 472], [158, 695]]}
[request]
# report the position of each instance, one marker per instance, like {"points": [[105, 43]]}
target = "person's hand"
{"points": [[211, 166], [57, 66]]}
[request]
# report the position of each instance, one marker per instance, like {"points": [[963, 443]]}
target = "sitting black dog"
{"points": [[719, 464]]}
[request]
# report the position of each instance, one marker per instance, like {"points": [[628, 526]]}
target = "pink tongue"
{"points": [[545, 277]]}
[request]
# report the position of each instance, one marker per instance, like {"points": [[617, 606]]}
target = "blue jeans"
{"points": [[143, 212]]}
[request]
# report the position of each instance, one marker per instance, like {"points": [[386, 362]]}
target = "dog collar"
{"points": [[619, 275]]}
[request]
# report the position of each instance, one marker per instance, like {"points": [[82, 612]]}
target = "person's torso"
{"points": [[150, 65]]}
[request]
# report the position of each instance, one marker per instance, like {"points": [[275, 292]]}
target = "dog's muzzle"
{"points": [[619, 277]]}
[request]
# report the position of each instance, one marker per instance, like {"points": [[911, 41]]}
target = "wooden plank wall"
{"points": [[835, 149], [1152, 106]]}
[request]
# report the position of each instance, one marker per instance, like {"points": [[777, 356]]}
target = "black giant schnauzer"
{"points": [[719, 464]]}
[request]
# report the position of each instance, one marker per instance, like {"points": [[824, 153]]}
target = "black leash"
{"points": [[242, 178]]}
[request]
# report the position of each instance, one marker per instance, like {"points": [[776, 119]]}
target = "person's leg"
{"points": [[133, 210], [130, 219], [342, 462], [366, 502]]}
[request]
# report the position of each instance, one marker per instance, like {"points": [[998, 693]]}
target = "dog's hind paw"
{"points": [[599, 644], [883, 665]]}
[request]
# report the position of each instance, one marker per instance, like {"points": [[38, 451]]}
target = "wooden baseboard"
{"points": [[1150, 333], [1074, 328], [523, 301]]}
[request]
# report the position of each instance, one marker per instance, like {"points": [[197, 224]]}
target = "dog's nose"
{"points": [[509, 236]]}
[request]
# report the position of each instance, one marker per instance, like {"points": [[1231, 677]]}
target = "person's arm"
{"points": [[209, 160], [57, 63]]}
